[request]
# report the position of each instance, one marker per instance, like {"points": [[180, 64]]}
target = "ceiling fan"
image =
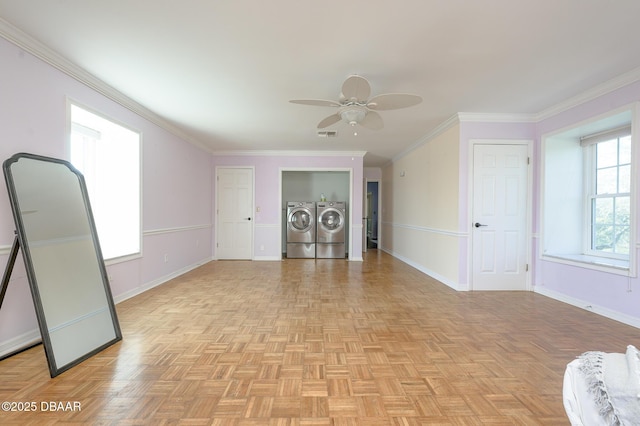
{"points": [[355, 107]]}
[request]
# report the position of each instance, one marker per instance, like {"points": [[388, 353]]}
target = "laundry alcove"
{"points": [[309, 185]]}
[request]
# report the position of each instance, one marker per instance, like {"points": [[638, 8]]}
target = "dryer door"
{"points": [[331, 226], [300, 226]]}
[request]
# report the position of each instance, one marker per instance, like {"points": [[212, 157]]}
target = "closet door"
{"points": [[500, 185], [234, 213]]}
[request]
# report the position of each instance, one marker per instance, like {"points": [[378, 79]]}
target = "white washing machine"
{"points": [[301, 229], [331, 229]]}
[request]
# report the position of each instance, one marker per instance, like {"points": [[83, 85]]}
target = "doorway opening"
{"points": [[313, 184], [372, 215]]}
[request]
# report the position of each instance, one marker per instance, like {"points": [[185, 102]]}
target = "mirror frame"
{"points": [[23, 243]]}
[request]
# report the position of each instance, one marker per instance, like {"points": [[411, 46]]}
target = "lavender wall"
{"points": [[267, 226], [176, 184], [612, 295]]}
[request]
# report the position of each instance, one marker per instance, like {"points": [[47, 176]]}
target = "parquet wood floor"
{"points": [[320, 342]]}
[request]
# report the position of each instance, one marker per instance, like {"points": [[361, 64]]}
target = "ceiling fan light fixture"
{"points": [[353, 114], [356, 108]]}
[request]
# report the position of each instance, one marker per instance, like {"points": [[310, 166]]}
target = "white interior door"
{"points": [[234, 202], [500, 185]]}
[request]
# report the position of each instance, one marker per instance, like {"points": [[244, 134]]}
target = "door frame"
{"points": [[529, 205], [214, 241], [365, 213], [352, 225]]}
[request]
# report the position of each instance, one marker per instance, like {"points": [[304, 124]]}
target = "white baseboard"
{"points": [[426, 271], [33, 336], [158, 281], [20, 342], [588, 306], [267, 258]]}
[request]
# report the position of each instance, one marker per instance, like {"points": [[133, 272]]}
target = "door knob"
{"points": [[248, 218], [478, 225]]}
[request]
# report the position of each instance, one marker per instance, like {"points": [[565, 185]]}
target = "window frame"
{"points": [[591, 171], [69, 129], [562, 207]]}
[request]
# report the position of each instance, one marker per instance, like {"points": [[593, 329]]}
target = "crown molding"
{"points": [[59, 62], [443, 127], [480, 117], [49, 56], [586, 96], [473, 117], [273, 153], [591, 94]]}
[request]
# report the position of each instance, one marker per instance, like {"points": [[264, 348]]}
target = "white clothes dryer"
{"points": [[331, 230], [301, 229]]}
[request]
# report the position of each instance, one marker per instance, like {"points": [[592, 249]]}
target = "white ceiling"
{"points": [[223, 71]]}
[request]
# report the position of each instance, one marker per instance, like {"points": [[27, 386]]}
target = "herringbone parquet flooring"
{"points": [[320, 342]]}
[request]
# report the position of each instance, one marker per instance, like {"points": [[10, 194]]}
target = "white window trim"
{"points": [[69, 102], [613, 266], [590, 195]]}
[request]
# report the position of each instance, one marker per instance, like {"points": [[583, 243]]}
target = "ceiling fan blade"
{"points": [[315, 102], [372, 121], [332, 119], [393, 101], [356, 88]]}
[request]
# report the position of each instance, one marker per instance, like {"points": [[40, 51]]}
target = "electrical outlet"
{"points": [[166, 258]]}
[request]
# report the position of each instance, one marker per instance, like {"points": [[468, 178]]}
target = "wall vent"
{"points": [[327, 133]]}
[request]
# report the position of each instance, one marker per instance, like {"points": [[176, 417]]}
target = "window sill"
{"points": [[614, 266]]}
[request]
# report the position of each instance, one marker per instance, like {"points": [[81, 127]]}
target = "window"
{"points": [[588, 194], [108, 155], [609, 195]]}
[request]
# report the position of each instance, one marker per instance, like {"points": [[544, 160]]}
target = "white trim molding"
{"points": [[444, 280], [18, 343], [267, 258], [161, 231], [275, 153], [456, 234], [478, 117], [591, 94], [158, 281], [267, 225], [588, 306]]}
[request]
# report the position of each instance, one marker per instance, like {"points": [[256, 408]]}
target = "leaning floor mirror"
{"points": [[56, 233]]}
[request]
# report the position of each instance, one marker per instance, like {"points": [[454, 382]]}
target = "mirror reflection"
{"points": [[63, 259]]}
